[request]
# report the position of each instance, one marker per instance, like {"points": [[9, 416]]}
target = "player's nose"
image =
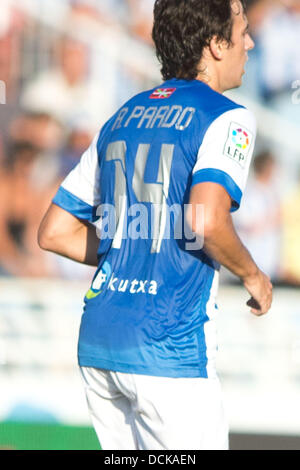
{"points": [[250, 44]]}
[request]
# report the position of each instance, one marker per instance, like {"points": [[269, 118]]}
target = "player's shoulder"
{"points": [[209, 103], [217, 111], [216, 104], [237, 115]]}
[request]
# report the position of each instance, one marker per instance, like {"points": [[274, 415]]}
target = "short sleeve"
{"points": [[226, 151], [79, 193]]}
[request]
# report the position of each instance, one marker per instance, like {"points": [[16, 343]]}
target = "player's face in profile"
{"points": [[236, 54]]}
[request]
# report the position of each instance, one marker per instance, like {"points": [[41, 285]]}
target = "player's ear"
{"points": [[216, 48]]}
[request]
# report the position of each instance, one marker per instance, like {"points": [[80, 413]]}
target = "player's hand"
{"points": [[260, 288]]}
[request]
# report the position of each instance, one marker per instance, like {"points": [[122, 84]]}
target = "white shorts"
{"points": [[140, 412]]}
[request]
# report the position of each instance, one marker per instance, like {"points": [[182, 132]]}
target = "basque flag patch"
{"points": [[162, 93]]}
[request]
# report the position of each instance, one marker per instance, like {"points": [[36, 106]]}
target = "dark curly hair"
{"points": [[183, 28]]}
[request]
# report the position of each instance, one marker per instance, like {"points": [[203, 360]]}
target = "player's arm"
{"points": [[222, 243], [64, 234], [67, 227], [219, 180]]}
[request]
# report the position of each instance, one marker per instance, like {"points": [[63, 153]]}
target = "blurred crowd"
{"points": [[60, 89]]}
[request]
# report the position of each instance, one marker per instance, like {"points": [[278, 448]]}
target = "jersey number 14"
{"points": [[155, 193]]}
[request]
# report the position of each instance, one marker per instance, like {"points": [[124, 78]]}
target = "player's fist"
{"points": [[260, 288]]}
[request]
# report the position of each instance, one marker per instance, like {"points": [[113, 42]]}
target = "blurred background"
{"points": [[65, 67]]}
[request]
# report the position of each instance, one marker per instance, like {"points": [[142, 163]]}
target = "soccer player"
{"points": [[147, 342]]}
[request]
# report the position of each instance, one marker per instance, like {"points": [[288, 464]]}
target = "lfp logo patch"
{"points": [[240, 138], [162, 93], [238, 143]]}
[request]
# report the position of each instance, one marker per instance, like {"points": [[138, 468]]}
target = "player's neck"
{"points": [[212, 82], [210, 73]]}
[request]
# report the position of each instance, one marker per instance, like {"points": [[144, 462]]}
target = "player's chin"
{"points": [[240, 80], [237, 84]]}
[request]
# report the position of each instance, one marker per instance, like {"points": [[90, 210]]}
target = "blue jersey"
{"points": [[151, 308]]}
